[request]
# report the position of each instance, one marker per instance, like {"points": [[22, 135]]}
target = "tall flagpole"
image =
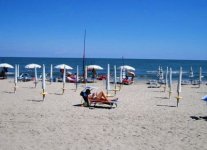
{"points": [[84, 57]]}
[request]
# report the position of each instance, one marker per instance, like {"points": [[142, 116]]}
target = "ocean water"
{"points": [[145, 68]]}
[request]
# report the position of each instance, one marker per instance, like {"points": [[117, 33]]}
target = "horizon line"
{"points": [[102, 58]]}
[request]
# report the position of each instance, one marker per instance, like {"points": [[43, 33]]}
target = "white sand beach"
{"points": [[145, 119]]}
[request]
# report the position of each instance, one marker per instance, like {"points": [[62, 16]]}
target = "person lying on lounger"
{"points": [[96, 97]]}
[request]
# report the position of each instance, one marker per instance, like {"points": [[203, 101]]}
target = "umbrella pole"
{"points": [[43, 94], [165, 88], [15, 88], [115, 89], [170, 92], [178, 98], [63, 89]]}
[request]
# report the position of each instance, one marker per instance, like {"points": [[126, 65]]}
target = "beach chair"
{"points": [[127, 81], [154, 84], [25, 77], [92, 102], [185, 82]]}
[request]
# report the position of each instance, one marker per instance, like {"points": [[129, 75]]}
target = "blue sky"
{"points": [[142, 29]]}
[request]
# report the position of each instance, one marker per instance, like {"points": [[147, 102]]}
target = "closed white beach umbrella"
{"points": [[17, 71], [170, 79], [15, 75], [35, 76], [32, 66], [108, 78], [43, 82], [86, 74], [191, 72], [51, 73], [43, 77], [77, 77], [170, 82], [161, 74], [115, 81], [166, 78], [62, 66], [15, 79], [179, 81], [158, 72], [6, 65], [179, 86], [115, 76], [64, 76], [120, 77], [200, 76]]}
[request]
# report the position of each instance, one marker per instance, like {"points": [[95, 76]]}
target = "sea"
{"points": [[146, 69]]}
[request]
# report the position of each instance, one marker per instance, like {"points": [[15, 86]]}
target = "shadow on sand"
{"points": [[162, 97], [199, 118], [195, 87], [93, 107], [8, 92], [166, 105], [28, 87], [35, 100], [56, 93]]}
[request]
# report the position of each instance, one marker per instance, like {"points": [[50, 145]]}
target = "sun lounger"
{"points": [[127, 81], [24, 77], [185, 82], [92, 102], [154, 84], [111, 103], [151, 81], [196, 82], [101, 77]]}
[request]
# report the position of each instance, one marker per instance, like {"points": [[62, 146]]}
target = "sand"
{"points": [[144, 119]]}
